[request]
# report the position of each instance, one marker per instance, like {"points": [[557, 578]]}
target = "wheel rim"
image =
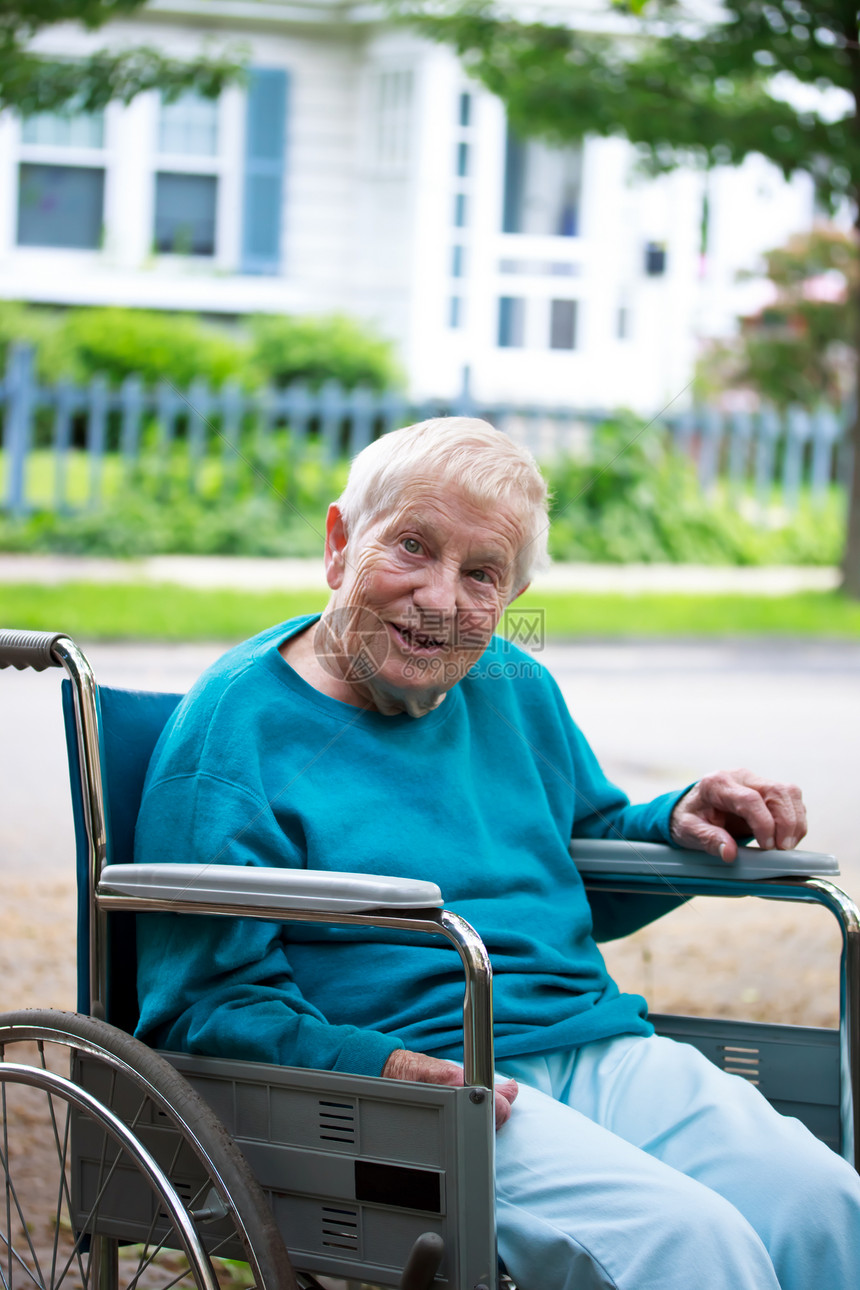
{"points": [[64, 1178], [69, 1109]]}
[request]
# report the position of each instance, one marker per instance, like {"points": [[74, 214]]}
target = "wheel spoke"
{"points": [[149, 1118], [40, 1283], [142, 1266], [63, 1193], [63, 1190], [11, 1194], [91, 1216], [220, 1245], [8, 1197], [7, 1281], [149, 1235]]}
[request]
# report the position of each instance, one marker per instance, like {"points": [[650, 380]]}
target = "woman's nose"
{"points": [[436, 590]]}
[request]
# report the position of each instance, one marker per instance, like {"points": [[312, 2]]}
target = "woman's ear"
{"points": [[335, 547]]}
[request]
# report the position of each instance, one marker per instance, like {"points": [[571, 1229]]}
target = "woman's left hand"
{"points": [[732, 804]]}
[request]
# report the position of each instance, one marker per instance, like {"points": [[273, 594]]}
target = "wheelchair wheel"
{"points": [[115, 1174]]}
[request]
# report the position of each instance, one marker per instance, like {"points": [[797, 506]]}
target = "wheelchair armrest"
{"points": [[285, 890], [302, 895], [603, 858]]}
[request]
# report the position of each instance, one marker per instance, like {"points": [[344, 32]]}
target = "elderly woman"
{"points": [[385, 737]]}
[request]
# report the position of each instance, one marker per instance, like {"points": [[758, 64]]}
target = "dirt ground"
{"points": [[751, 959], [37, 956]]}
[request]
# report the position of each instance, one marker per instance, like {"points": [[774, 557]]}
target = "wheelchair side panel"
{"points": [[356, 1169], [795, 1067]]}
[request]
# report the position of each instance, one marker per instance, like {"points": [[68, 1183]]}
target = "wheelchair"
{"points": [[126, 1169]]}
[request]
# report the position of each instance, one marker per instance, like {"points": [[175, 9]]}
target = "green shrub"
{"points": [[636, 500], [267, 500], [286, 349], [141, 526], [173, 347], [41, 329], [277, 349]]}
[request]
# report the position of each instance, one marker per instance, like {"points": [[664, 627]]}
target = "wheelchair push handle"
{"points": [[21, 649]]}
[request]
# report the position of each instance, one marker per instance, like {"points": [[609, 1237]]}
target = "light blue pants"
{"points": [[635, 1164]]}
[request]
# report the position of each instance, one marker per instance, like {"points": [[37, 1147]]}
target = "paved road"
{"points": [[657, 715]]}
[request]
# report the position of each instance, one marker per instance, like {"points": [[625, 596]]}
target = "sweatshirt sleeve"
{"points": [[602, 810], [224, 986]]}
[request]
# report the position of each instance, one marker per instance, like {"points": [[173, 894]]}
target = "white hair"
{"points": [[486, 464]]}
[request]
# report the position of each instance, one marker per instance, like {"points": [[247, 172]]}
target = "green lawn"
{"points": [[122, 611], [80, 479]]}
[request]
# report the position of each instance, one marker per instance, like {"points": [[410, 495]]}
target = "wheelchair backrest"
{"points": [[130, 724]]}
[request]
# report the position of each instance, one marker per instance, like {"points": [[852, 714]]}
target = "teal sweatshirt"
{"points": [[481, 796]]}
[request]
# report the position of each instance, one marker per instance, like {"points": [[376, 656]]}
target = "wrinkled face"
{"points": [[417, 596]]}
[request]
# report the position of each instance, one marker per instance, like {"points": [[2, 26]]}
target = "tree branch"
{"points": [[32, 84]]}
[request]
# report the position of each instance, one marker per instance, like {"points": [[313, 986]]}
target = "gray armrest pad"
{"points": [[289, 889], [599, 858]]}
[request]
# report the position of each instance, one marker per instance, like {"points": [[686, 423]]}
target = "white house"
{"points": [[360, 171]]}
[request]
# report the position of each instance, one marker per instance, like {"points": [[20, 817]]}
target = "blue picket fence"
{"points": [[752, 451]]}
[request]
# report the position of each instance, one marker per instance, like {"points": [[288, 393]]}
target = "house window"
{"points": [[512, 322], [56, 130], [393, 112], [458, 261], [185, 213], [60, 206], [188, 127], [543, 188], [462, 160], [655, 259], [61, 200], [186, 179], [622, 327], [460, 210], [562, 324], [455, 312], [465, 110]]}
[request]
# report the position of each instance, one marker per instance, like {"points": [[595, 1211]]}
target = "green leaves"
{"points": [[315, 349], [270, 349], [798, 350], [28, 16], [35, 84], [636, 499], [683, 90]]}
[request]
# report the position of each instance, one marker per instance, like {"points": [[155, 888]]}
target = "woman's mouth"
{"points": [[417, 642]]}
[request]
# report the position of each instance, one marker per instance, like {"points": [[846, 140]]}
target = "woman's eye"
{"points": [[480, 575], [412, 545]]}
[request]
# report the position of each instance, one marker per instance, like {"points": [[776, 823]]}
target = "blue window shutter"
{"points": [[515, 178], [265, 155]]}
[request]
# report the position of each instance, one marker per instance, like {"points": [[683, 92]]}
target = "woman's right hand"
{"points": [[403, 1064]]}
